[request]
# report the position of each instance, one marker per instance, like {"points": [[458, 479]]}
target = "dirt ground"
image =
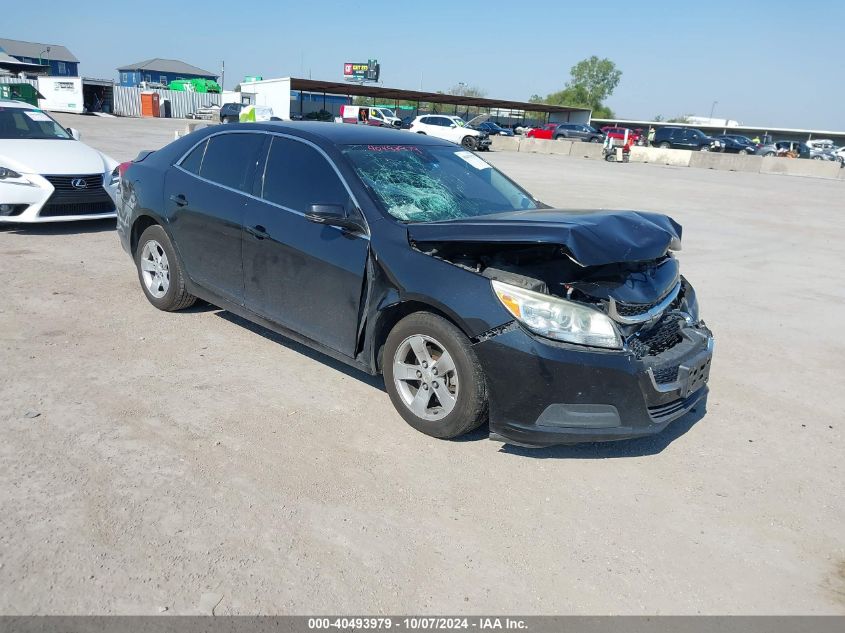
{"points": [[195, 463]]}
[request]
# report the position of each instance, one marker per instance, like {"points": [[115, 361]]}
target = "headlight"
{"points": [[558, 318], [115, 177], [8, 176]]}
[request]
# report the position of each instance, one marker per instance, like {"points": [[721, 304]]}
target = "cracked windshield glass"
{"points": [[417, 183]]}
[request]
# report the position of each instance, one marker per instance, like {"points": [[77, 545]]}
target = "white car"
{"points": [[450, 128], [47, 174]]}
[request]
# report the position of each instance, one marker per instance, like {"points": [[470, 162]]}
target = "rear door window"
{"points": [[230, 159], [193, 161], [297, 176]]}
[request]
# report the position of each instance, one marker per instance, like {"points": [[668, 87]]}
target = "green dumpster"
{"points": [[20, 92]]}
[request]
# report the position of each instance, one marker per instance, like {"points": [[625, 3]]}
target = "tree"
{"points": [[595, 78], [464, 90], [683, 118], [591, 81]]}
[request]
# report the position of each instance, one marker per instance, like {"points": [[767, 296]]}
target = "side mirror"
{"points": [[73, 132], [453, 125], [332, 215]]}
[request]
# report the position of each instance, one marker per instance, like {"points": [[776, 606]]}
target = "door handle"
{"points": [[179, 199], [257, 231]]}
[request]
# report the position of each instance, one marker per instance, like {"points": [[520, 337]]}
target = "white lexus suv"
{"points": [[46, 174], [451, 128]]}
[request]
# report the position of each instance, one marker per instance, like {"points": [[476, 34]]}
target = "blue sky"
{"points": [[772, 63]]}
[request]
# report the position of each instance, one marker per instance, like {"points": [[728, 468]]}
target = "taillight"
{"points": [[121, 169]]}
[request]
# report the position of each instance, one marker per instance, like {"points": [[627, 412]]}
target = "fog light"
{"points": [[12, 209]]}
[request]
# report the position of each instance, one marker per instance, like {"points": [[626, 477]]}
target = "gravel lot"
{"points": [[195, 462]]}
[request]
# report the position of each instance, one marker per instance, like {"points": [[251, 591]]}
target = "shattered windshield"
{"points": [[417, 183]]}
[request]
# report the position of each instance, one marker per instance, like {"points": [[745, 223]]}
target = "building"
{"points": [[162, 71], [41, 59]]}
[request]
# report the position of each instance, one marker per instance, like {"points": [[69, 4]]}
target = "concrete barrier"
{"points": [[561, 147], [726, 162], [659, 156], [587, 150], [536, 145], [505, 143], [841, 173], [800, 167]]}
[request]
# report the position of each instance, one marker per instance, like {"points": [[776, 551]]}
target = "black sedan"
{"points": [[493, 129], [409, 256], [737, 144]]}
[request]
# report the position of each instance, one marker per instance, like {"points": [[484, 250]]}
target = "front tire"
{"points": [[468, 142], [433, 376], [160, 272]]}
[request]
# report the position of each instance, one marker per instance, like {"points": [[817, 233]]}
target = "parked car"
{"points": [[578, 131], [410, 257], [451, 128], [492, 128], [816, 152], [47, 174], [231, 112], [686, 138], [735, 144], [780, 148], [618, 133], [545, 131]]}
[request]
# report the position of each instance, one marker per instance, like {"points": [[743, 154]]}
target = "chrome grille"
{"points": [[64, 183]]}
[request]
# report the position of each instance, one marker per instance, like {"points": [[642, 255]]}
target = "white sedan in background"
{"points": [[450, 128], [46, 174]]}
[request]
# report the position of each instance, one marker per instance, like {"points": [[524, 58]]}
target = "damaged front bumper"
{"points": [[543, 392]]}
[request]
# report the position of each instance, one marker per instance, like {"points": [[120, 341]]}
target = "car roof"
{"points": [[338, 133], [11, 103]]}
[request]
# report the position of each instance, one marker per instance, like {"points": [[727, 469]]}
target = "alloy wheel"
{"points": [[155, 269], [425, 377]]}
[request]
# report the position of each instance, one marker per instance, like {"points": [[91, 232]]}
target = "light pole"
{"points": [[713, 108], [46, 50]]}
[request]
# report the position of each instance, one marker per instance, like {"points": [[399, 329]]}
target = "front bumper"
{"points": [[543, 393], [43, 202]]}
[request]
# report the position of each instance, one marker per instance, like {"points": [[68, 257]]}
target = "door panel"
{"points": [[308, 277], [207, 232], [206, 206]]}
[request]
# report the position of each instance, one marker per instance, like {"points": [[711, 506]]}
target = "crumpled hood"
{"points": [[592, 238], [38, 156]]}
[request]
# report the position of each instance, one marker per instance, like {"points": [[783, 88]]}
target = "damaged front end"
{"points": [[611, 344]]}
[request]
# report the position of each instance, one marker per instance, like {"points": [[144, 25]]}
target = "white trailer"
{"points": [[61, 94], [272, 93]]}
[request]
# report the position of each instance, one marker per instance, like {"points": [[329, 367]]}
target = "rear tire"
{"points": [[743, 152], [664, 145], [160, 272], [418, 345]]}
